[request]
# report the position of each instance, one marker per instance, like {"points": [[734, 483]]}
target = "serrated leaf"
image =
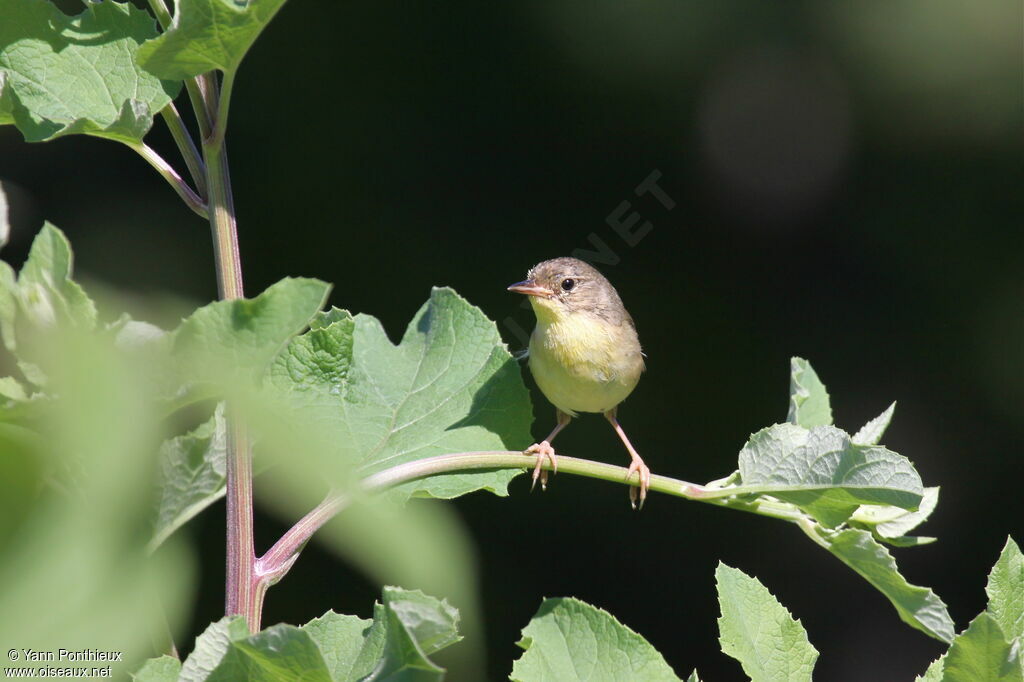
{"points": [[192, 475], [808, 399], [228, 341], [982, 652], [449, 386], [824, 473], [571, 640], [918, 606], [872, 432], [281, 653], [891, 524], [206, 35], [211, 646], [693, 677], [759, 632], [162, 669], [65, 75], [341, 640], [934, 671], [1005, 591]]}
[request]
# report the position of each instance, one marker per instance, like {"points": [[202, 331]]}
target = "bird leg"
{"points": [[544, 449], [637, 466]]}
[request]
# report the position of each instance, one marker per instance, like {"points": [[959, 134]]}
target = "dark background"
{"points": [[846, 181]]}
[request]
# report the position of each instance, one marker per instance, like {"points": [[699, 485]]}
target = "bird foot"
{"points": [[643, 473], [542, 449]]}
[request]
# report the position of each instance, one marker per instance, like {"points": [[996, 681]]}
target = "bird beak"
{"points": [[530, 288]]}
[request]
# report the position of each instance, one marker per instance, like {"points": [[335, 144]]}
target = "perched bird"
{"points": [[584, 354]]}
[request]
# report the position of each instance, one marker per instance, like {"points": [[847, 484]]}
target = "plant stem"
{"points": [[191, 199], [193, 159], [273, 565], [243, 594]]}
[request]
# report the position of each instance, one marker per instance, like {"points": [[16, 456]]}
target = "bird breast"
{"points": [[583, 363]]}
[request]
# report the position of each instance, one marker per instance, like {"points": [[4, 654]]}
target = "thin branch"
{"points": [[189, 152], [163, 14], [276, 562], [191, 199]]}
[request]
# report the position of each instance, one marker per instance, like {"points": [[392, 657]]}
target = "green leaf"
{"points": [[934, 671], [341, 640], [693, 676], [48, 294], [982, 652], [207, 35], [65, 75], [281, 653], [808, 399], [824, 473], [872, 432], [229, 341], [449, 386], [759, 632], [211, 646], [406, 629], [918, 606], [571, 640], [891, 524], [162, 669], [1005, 591], [192, 475]]}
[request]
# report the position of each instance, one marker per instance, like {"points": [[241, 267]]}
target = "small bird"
{"points": [[584, 354]]}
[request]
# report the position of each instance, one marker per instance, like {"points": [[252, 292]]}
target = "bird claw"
{"points": [[542, 450], [643, 473]]}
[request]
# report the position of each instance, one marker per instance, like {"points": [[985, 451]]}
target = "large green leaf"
{"points": [[406, 629], [1005, 590], [918, 606], [808, 399], [281, 653], [982, 652], [207, 35], [61, 75], [823, 472], [569, 640], [449, 386], [759, 632], [234, 341]]}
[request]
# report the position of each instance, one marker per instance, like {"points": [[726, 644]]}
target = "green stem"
{"points": [[273, 565], [189, 152], [191, 199], [243, 593]]}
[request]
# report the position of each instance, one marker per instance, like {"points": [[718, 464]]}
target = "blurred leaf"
{"points": [[808, 399], [693, 677], [207, 35], [918, 606], [192, 475], [65, 75], [891, 524], [571, 640], [1005, 591], [934, 671], [232, 342], [872, 432], [825, 474], [982, 652], [163, 669], [449, 386], [48, 294], [759, 632], [281, 653]]}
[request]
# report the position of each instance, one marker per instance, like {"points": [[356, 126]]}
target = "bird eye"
{"points": [[568, 284]]}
